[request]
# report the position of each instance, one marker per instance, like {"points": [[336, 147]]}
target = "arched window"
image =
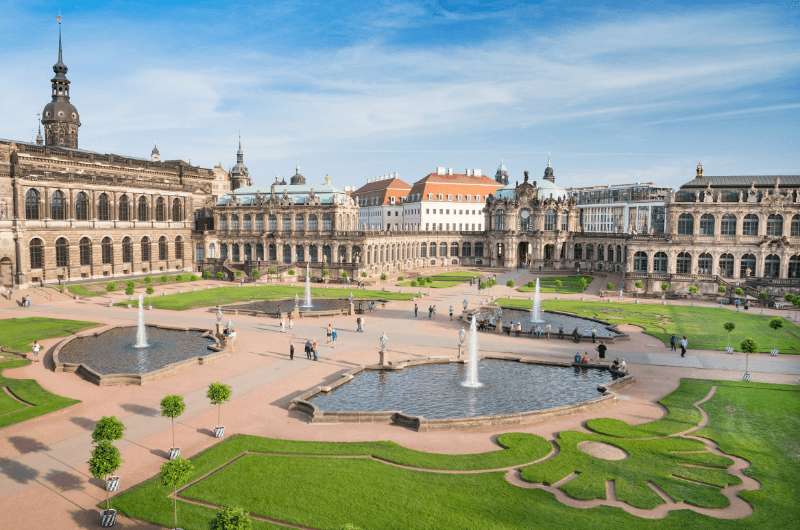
{"points": [[143, 210], [247, 226], [747, 266], [58, 205], [640, 262], [103, 210], [145, 244], [287, 254], [124, 209], [223, 251], [600, 253], [772, 266], [236, 255], [454, 249], [578, 251], [706, 224], [550, 219], [162, 248], [589, 251], [423, 250], [728, 225], [85, 248], [499, 220], [107, 250], [312, 222], [524, 220], [313, 253], [82, 206], [466, 249], [260, 250], [750, 225], [127, 250], [260, 223], [726, 265], [161, 209], [794, 267], [299, 252], [178, 247], [479, 249], [36, 251], [794, 229], [684, 263], [659, 262], [299, 223], [62, 252], [177, 210], [775, 225], [685, 224], [32, 204], [704, 263], [432, 249]]}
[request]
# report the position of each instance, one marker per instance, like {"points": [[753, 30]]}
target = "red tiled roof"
{"points": [[383, 190], [455, 184]]}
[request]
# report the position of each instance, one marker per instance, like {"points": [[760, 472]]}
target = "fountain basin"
{"points": [[108, 356], [605, 330], [427, 395], [321, 307]]}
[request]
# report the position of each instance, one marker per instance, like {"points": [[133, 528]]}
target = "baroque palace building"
{"points": [[69, 214]]}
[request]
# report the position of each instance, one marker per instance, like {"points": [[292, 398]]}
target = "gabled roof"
{"points": [[384, 190], [761, 181], [455, 184]]}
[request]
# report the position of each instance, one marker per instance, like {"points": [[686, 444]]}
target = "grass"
{"points": [[296, 483], [440, 281], [229, 295], [547, 284], [91, 289], [17, 334], [701, 325]]}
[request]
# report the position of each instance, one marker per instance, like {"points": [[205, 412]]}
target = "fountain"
{"points": [[472, 367], [141, 331], [307, 302], [536, 308]]}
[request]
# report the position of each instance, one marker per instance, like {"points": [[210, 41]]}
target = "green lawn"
{"points": [[701, 325], [229, 295], [90, 289], [440, 281], [17, 334], [300, 483], [547, 284]]}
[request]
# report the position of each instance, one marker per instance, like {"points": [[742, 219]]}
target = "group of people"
{"points": [[310, 347], [26, 301], [683, 344], [287, 323]]}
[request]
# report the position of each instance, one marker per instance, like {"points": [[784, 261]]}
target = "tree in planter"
{"points": [[108, 429], [218, 393], [510, 283], [610, 286], [729, 326], [763, 297], [149, 290], [665, 287], [775, 324], [692, 292], [172, 406], [111, 287], [105, 460], [231, 518], [129, 288], [174, 474], [559, 284], [722, 289], [638, 284], [739, 291], [583, 283], [748, 345]]}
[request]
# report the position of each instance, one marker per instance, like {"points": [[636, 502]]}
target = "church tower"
{"points": [[60, 117], [240, 175]]}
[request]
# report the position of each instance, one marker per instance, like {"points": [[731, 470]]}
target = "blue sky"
{"points": [[616, 92]]}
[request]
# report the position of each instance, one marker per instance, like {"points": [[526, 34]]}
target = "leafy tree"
{"points": [[722, 289], [776, 323], [206, 275], [105, 460], [739, 291], [231, 518], [610, 286], [665, 286], [172, 406], [255, 274], [108, 429], [218, 393], [219, 275], [638, 284], [692, 292], [174, 474], [559, 284], [510, 283], [111, 287], [583, 283], [148, 280], [748, 346], [129, 288], [530, 285], [149, 289], [763, 297], [165, 279], [290, 272], [343, 275], [729, 326]]}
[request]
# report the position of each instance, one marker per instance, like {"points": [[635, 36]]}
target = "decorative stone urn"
{"points": [[112, 483], [108, 518], [174, 452], [219, 431]]}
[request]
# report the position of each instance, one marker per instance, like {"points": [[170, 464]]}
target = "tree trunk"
{"points": [[107, 499], [175, 508], [173, 431], [219, 414]]}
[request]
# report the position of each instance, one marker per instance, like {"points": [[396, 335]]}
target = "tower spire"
{"points": [[60, 55], [60, 117]]}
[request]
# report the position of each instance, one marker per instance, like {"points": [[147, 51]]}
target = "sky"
{"points": [[613, 92]]}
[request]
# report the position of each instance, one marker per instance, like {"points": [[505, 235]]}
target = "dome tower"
{"points": [[60, 117]]}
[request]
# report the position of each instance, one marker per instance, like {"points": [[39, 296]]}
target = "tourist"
{"points": [[283, 325], [333, 336], [585, 358], [314, 348], [416, 310], [465, 304], [450, 310], [328, 331], [576, 336], [547, 329], [684, 345], [577, 358], [623, 367], [736, 303], [358, 324], [430, 312], [307, 349], [594, 334], [291, 351], [291, 323], [672, 341], [615, 366], [561, 331], [601, 350], [35, 349]]}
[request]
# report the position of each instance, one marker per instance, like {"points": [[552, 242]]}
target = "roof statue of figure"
{"points": [[60, 117]]}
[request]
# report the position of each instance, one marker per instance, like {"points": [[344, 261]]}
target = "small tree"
{"points": [[290, 272], [383, 276], [172, 406], [149, 289], [343, 275], [218, 393], [148, 280], [231, 518], [174, 474], [610, 286], [510, 283], [105, 460], [255, 274], [325, 272], [111, 287], [219, 275], [729, 326], [739, 291], [129, 288], [665, 287], [206, 275], [363, 274], [638, 284], [748, 345], [722, 289], [692, 292], [559, 283], [583, 283], [776, 323], [108, 429], [763, 297], [530, 285]]}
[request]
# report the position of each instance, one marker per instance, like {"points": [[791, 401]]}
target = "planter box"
{"points": [[219, 431], [108, 518], [174, 452], [112, 484]]}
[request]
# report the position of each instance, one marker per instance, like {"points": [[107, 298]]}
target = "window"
{"points": [[750, 225], [62, 252], [124, 209], [747, 266], [103, 210], [127, 250], [640, 262], [794, 267], [235, 250], [36, 251], [707, 225], [772, 266], [286, 223], [223, 251], [704, 264], [550, 219], [312, 222], [432, 249], [32, 205], [466, 249], [454, 249], [478, 250], [107, 251], [248, 223], [85, 248], [145, 245], [58, 205], [726, 265], [795, 226], [499, 220], [273, 223], [299, 224], [728, 225], [143, 210], [578, 251], [223, 222], [177, 210], [684, 264], [327, 222], [260, 225], [775, 225], [234, 222], [685, 224], [162, 248], [161, 213], [179, 248], [659, 261]]}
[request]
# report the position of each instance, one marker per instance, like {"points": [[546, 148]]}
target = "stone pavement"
{"points": [[44, 480]]}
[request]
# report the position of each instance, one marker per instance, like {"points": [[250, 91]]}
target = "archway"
{"points": [[523, 254]]}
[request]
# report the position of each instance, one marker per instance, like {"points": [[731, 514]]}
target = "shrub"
{"points": [[559, 284], [400, 278], [206, 275], [148, 280], [149, 289], [413, 283], [739, 291], [111, 287], [272, 270], [665, 286], [129, 289], [231, 518], [748, 346], [178, 278], [219, 275], [343, 275], [383, 276], [530, 285], [290, 272], [722, 289], [582, 282], [610, 286], [255, 274], [510, 283], [638, 284], [165, 279], [363, 274], [238, 274], [194, 277], [776, 323], [108, 429], [693, 290]]}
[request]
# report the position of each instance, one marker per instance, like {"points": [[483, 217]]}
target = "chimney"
{"points": [[477, 172], [449, 171], [440, 170]]}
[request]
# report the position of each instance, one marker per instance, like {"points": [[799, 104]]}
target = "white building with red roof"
{"points": [[380, 203]]}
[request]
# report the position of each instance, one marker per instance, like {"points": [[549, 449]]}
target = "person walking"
{"points": [[684, 346], [307, 349], [333, 337], [328, 332], [416, 310], [291, 323], [291, 351], [672, 341], [451, 312], [283, 325], [601, 350], [430, 312], [35, 349], [594, 334], [314, 354]]}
